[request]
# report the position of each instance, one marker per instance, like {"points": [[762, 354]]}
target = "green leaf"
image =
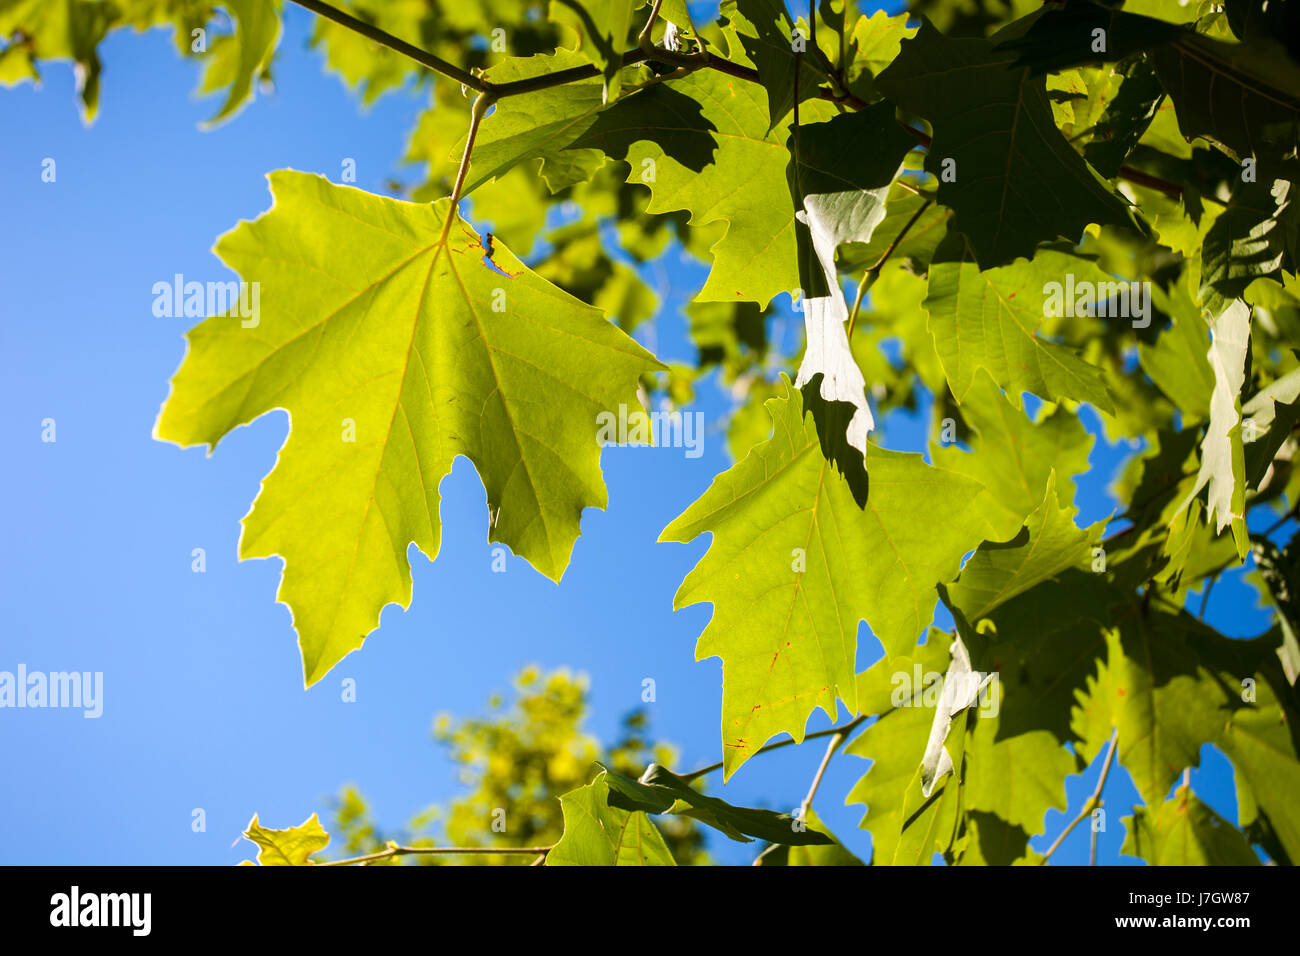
{"points": [[1185, 832], [917, 246], [257, 30], [1240, 96], [597, 834], [874, 44], [703, 144], [1013, 777], [907, 828], [56, 30], [884, 685], [1014, 455], [541, 124], [988, 840], [661, 791], [1262, 450], [1256, 236], [579, 265], [842, 202], [989, 320], [395, 348], [1223, 463], [1016, 181], [732, 335], [1280, 570], [363, 64], [831, 854], [1258, 736], [1017, 763], [1064, 38], [1263, 755], [1046, 644], [1178, 362], [1049, 544], [1164, 691], [763, 29], [1127, 115], [290, 847], [962, 689], [805, 545], [603, 33]]}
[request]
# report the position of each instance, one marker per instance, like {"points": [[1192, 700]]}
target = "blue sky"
{"points": [[204, 706]]}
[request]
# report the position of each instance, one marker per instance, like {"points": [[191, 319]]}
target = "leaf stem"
{"points": [[1291, 512], [482, 103], [873, 273], [844, 729], [1092, 802], [644, 39], [394, 849], [821, 771], [382, 37], [1205, 598], [689, 61], [832, 74], [1172, 190], [572, 74]]}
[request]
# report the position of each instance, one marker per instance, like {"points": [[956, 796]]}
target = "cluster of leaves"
{"points": [[512, 762], [957, 165], [236, 57]]}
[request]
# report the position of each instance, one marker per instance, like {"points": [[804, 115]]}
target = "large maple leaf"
{"points": [[806, 544], [395, 346], [1010, 177]]}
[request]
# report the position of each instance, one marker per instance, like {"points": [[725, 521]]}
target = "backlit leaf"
{"points": [[395, 347]]}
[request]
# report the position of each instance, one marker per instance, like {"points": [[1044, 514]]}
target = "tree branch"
{"points": [[482, 103], [687, 62], [1092, 803], [845, 729], [869, 277], [423, 57], [394, 849], [821, 771]]}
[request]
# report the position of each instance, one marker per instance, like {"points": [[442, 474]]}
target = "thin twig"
{"points": [[1205, 598], [779, 744], [690, 61], [481, 105], [828, 67], [572, 74], [821, 771], [644, 40], [1172, 190], [873, 273], [868, 279], [1291, 512], [423, 57], [394, 849], [1092, 803]]}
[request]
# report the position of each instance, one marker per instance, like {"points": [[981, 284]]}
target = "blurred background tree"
{"points": [[514, 762]]}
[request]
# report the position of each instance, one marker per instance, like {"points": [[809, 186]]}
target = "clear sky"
{"points": [[203, 699]]}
